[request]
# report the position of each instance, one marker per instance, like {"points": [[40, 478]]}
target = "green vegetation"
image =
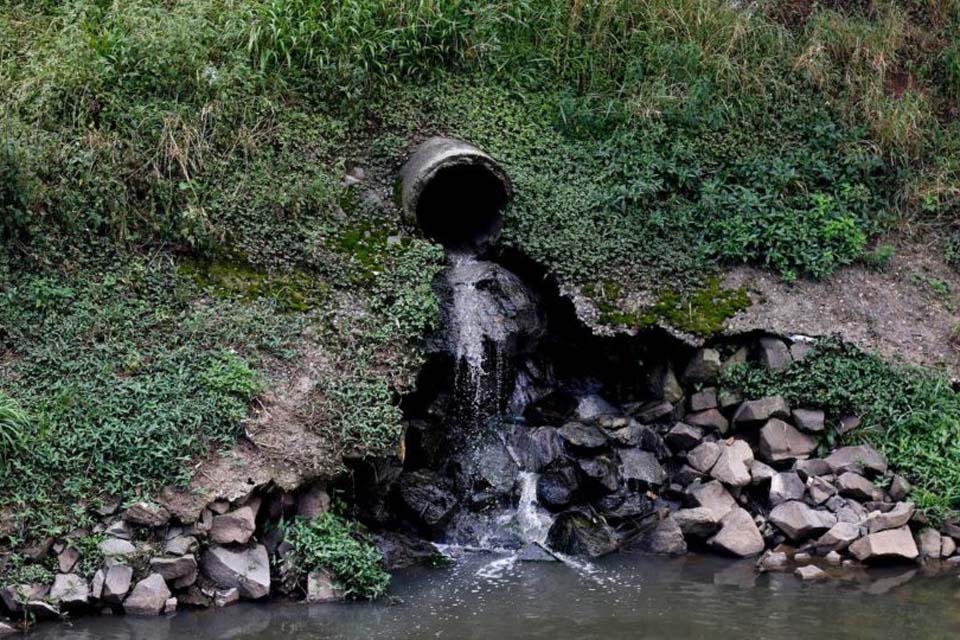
{"points": [[333, 544], [912, 416], [14, 425]]}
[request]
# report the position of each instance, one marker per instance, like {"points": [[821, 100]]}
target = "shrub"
{"points": [[332, 543], [14, 425]]}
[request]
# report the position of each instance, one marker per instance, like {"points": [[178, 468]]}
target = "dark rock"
{"points": [[665, 384], [738, 535], [534, 552], [148, 597], [592, 406], [773, 354], [312, 503], [624, 504], [665, 538], [756, 411], [703, 367], [584, 436], [576, 533], [641, 466], [428, 496], [554, 408], [642, 436], [400, 550], [686, 475], [144, 514], [799, 521], [558, 487], [247, 570], [602, 471], [653, 411], [900, 488], [698, 522], [809, 420], [683, 437], [853, 485], [893, 544], [727, 398], [535, 448], [709, 419], [703, 400], [786, 486], [779, 442]]}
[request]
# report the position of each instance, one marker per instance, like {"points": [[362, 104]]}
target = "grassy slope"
{"points": [[172, 203]]}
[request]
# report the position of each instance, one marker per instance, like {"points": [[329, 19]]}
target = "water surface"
{"points": [[619, 598]]}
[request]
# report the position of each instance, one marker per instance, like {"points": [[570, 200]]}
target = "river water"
{"points": [[622, 597]]}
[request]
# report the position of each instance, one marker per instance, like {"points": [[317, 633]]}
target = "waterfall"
{"points": [[533, 519]]}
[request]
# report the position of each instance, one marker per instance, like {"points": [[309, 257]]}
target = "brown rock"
{"points": [[779, 441], [145, 514], [148, 597], [893, 544], [738, 534], [233, 527]]}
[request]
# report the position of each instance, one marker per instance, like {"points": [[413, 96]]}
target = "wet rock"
{"points": [[703, 367], [117, 548], [731, 467], [602, 471], [929, 543], [773, 354], [757, 411], [947, 546], [226, 597], [428, 496], [893, 519], [893, 544], [534, 552], [704, 456], [248, 570], [312, 503], [641, 466], [170, 606], [69, 589], [738, 535], [576, 533], [558, 487], [760, 472], [401, 550], [535, 448], [774, 561], [709, 419], [554, 408], [900, 488], [653, 411], [810, 573], [145, 514], [592, 406], [862, 459], [838, 537], [148, 597], [819, 490], [786, 486], [174, 568], [234, 527], [812, 467], [833, 558], [642, 436], [116, 583], [583, 436], [699, 522], [321, 587], [683, 437], [703, 400], [624, 504], [852, 485], [665, 538], [779, 442], [809, 420], [492, 465], [799, 521]]}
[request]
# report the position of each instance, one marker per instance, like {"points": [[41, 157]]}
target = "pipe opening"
{"points": [[461, 206]]}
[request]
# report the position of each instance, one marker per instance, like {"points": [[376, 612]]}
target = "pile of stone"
{"points": [[151, 564]]}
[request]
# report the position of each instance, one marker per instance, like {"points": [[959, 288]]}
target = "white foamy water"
{"points": [[534, 520]]}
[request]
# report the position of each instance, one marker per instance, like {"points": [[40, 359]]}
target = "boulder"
{"points": [[847, 510], [7, 629], [641, 466], [774, 561], [809, 420], [703, 367], [428, 496], [119, 529], [847, 424], [756, 411], [235, 527], [592, 406], [812, 467], [148, 597], [703, 400], [819, 490], [773, 353], [853, 485], [704, 456], [145, 514], [731, 466], [699, 522], [321, 587], [653, 411], [226, 597], [760, 472], [312, 503], [799, 521], [181, 545], [779, 442], [668, 387], [536, 448], [67, 559], [576, 533], [894, 519], [602, 471], [170, 606], [709, 419], [862, 459], [116, 548], [248, 570], [583, 436], [929, 543], [892, 544], [69, 589], [785, 486], [13, 596], [712, 496], [683, 436], [947, 546], [738, 535], [116, 583], [810, 573], [174, 568], [558, 487], [839, 537], [665, 538], [900, 488]]}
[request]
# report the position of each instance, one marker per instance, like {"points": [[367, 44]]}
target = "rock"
{"points": [[69, 589], [558, 487], [687, 475], [41, 610], [839, 537], [119, 529], [116, 548], [321, 588], [148, 597], [893, 544], [862, 459], [703, 367], [535, 552], [727, 398], [683, 437], [738, 535], [799, 521], [930, 545], [800, 349], [592, 406], [584, 436], [669, 387], [7, 629], [893, 519], [641, 466], [234, 527], [703, 400], [852, 485], [774, 561], [96, 585], [773, 354], [67, 559], [786, 486], [709, 419], [219, 507], [847, 510], [576, 533], [802, 557], [760, 472], [602, 471], [145, 514], [947, 546], [653, 411], [699, 522], [819, 490], [779, 442], [756, 411], [810, 573], [174, 568], [833, 558], [116, 583], [951, 529], [248, 570], [226, 597], [552, 408], [314, 502], [170, 606], [899, 488], [642, 436], [813, 467], [704, 456], [731, 467], [624, 504], [809, 420], [181, 545], [535, 448], [428, 496], [847, 424], [13, 596], [665, 538]]}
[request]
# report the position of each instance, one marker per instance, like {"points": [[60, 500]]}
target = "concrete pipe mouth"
{"points": [[455, 193]]}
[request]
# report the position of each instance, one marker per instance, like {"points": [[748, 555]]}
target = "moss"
{"points": [[293, 291]]}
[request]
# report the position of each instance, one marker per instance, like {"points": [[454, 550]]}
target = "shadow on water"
{"points": [[624, 597]]}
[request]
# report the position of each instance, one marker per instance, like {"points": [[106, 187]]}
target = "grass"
{"points": [[912, 416]]}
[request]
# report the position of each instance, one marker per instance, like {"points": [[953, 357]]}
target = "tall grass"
{"points": [[14, 428]]}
